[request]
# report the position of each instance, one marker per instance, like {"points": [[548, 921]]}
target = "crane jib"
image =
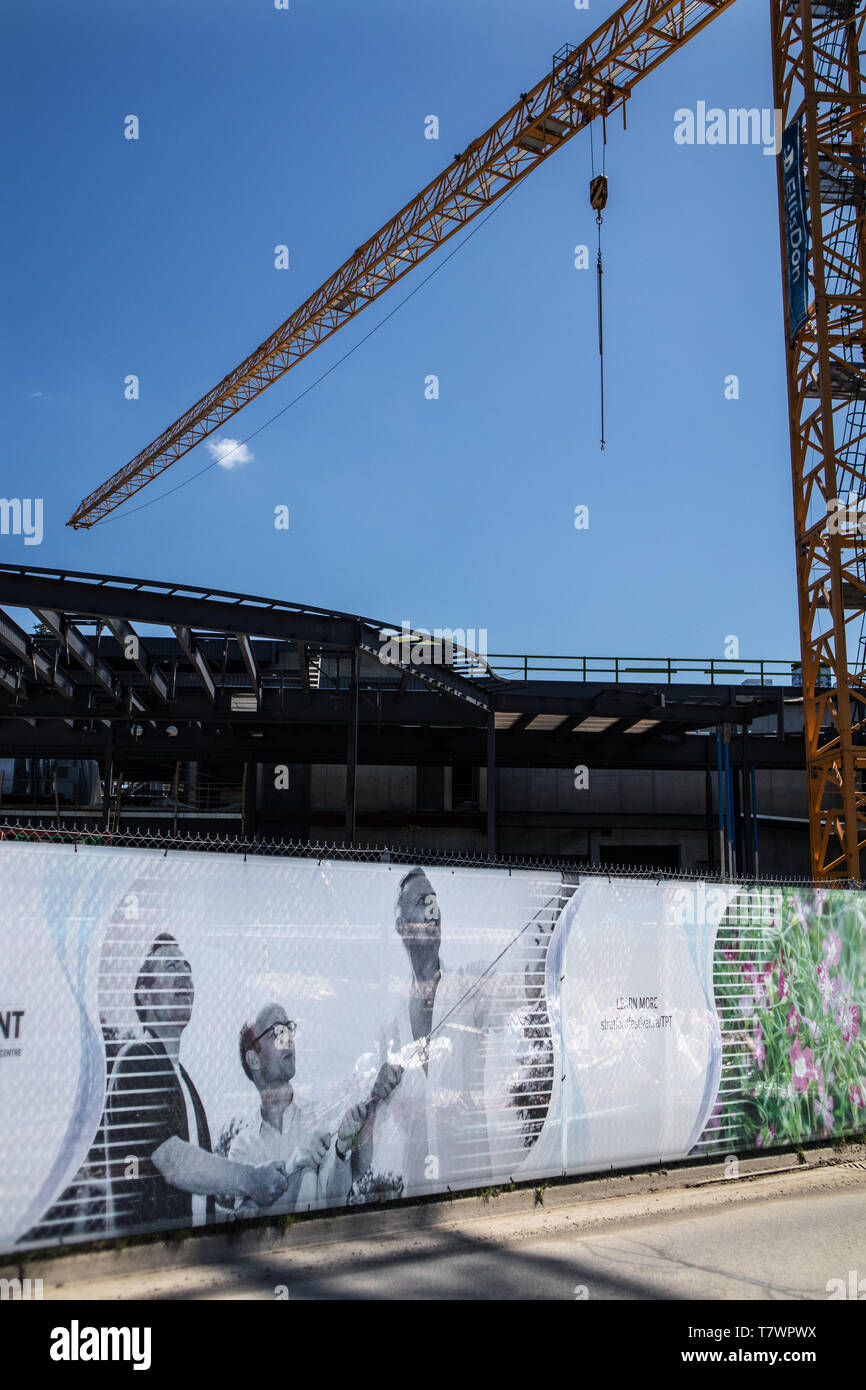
{"points": [[587, 80]]}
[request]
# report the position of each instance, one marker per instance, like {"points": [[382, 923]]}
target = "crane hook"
{"points": [[598, 202], [598, 194]]}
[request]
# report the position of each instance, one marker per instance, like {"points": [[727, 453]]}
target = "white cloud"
{"points": [[34, 394], [229, 453]]}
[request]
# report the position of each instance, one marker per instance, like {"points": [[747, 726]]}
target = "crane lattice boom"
{"points": [[594, 78]]}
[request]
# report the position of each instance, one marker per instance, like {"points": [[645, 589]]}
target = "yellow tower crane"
{"points": [[817, 49]]}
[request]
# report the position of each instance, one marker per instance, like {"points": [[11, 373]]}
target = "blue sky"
{"points": [[260, 127]]}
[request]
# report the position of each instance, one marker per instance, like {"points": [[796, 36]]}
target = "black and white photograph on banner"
{"points": [[413, 1052]]}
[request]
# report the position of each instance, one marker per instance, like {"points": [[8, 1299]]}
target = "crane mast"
{"points": [[817, 46], [817, 49]]}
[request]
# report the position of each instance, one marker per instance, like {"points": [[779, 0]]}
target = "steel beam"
{"points": [[79, 647], [196, 658], [249, 660], [22, 645], [138, 656], [130, 601]]}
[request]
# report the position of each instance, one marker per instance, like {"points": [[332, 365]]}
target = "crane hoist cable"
{"points": [[598, 201]]}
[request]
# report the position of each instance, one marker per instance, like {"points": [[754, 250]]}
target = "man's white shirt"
{"points": [[258, 1141], [434, 1125]]}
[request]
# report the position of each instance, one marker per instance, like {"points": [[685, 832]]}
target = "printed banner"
{"points": [[796, 228], [191, 1038]]}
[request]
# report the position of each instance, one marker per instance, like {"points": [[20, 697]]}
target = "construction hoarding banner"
{"points": [[191, 1038]]}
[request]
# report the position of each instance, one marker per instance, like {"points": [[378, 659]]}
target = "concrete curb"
{"points": [[239, 1240]]}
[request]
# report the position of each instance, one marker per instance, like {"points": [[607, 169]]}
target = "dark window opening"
{"points": [[640, 856]]}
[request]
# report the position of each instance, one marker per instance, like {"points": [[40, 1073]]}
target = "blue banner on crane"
{"points": [[796, 228]]}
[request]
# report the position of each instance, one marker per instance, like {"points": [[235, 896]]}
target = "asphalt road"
{"points": [[782, 1237]]}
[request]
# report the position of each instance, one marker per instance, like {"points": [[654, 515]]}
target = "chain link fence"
{"points": [[322, 850]]}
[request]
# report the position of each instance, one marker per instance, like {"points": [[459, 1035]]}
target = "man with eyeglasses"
{"points": [[318, 1172], [158, 1145]]}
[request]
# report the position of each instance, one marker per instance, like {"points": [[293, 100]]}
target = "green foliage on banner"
{"points": [[791, 991]]}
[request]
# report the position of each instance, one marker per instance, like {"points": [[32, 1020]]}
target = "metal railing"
{"points": [[764, 671]]}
